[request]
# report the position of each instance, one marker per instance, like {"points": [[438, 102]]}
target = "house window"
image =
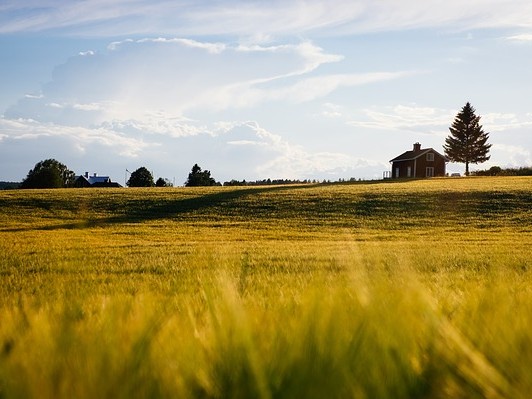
{"points": [[430, 156], [396, 172], [409, 171], [430, 171]]}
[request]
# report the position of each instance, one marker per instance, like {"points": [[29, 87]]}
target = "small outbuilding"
{"points": [[418, 163]]}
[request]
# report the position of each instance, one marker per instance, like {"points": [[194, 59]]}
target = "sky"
{"points": [[293, 89]]}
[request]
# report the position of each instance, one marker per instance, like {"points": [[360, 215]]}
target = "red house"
{"points": [[418, 163]]}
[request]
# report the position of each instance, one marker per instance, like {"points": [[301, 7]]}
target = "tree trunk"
{"points": [[467, 168]]}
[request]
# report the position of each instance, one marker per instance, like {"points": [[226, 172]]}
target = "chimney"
{"points": [[417, 147], [87, 175], [95, 174]]}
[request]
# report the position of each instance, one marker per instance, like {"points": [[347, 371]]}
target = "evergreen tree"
{"points": [[49, 174], [467, 143], [142, 177], [197, 177]]}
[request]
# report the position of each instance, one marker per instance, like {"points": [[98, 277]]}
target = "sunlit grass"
{"points": [[411, 289]]}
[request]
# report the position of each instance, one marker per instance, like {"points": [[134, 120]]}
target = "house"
{"points": [[94, 181], [418, 163]]}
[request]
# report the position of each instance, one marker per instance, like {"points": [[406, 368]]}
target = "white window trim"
{"points": [[430, 156], [429, 171]]}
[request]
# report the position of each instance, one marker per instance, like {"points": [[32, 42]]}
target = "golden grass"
{"points": [[410, 289]]}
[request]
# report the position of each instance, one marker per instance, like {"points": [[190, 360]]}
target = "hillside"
{"points": [[385, 289], [460, 203]]}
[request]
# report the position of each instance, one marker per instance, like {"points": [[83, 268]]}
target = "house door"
{"points": [[396, 173], [408, 171], [430, 171]]}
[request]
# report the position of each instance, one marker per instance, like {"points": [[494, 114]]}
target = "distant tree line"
{"points": [[265, 182], [9, 185], [278, 182], [51, 173], [498, 171]]}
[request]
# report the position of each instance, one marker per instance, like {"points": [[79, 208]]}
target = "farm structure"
{"points": [[418, 163], [94, 180]]}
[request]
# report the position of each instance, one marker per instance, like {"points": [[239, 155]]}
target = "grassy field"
{"points": [[415, 289]]}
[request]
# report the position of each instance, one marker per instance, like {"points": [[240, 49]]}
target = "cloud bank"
{"points": [[257, 18], [156, 99]]}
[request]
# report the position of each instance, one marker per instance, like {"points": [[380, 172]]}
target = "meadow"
{"points": [[411, 289]]}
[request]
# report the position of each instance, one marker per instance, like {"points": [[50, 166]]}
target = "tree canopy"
{"points": [[49, 173], [142, 177], [161, 182], [198, 177], [467, 143]]}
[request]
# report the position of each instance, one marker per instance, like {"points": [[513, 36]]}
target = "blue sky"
{"points": [[252, 89]]}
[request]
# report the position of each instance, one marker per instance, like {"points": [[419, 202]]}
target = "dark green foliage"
{"points": [[163, 183], [8, 185], [498, 171], [198, 177], [49, 174], [467, 143], [269, 182], [142, 177]]}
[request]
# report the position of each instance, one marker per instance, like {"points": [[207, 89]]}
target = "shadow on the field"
{"points": [[147, 209]]}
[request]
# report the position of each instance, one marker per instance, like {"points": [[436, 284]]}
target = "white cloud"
{"points": [[406, 118], [331, 110], [80, 137], [127, 103], [316, 87], [455, 60], [130, 81], [88, 107], [116, 45], [245, 142], [257, 18], [151, 124], [232, 149], [213, 48], [525, 37], [498, 122], [296, 163], [515, 155], [414, 118], [287, 160]]}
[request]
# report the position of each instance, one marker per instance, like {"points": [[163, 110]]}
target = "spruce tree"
{"points": [[467, 143]]}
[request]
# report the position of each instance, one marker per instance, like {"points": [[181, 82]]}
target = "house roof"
{"points": [[411, 155], [95, 179], [99, 179]]}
